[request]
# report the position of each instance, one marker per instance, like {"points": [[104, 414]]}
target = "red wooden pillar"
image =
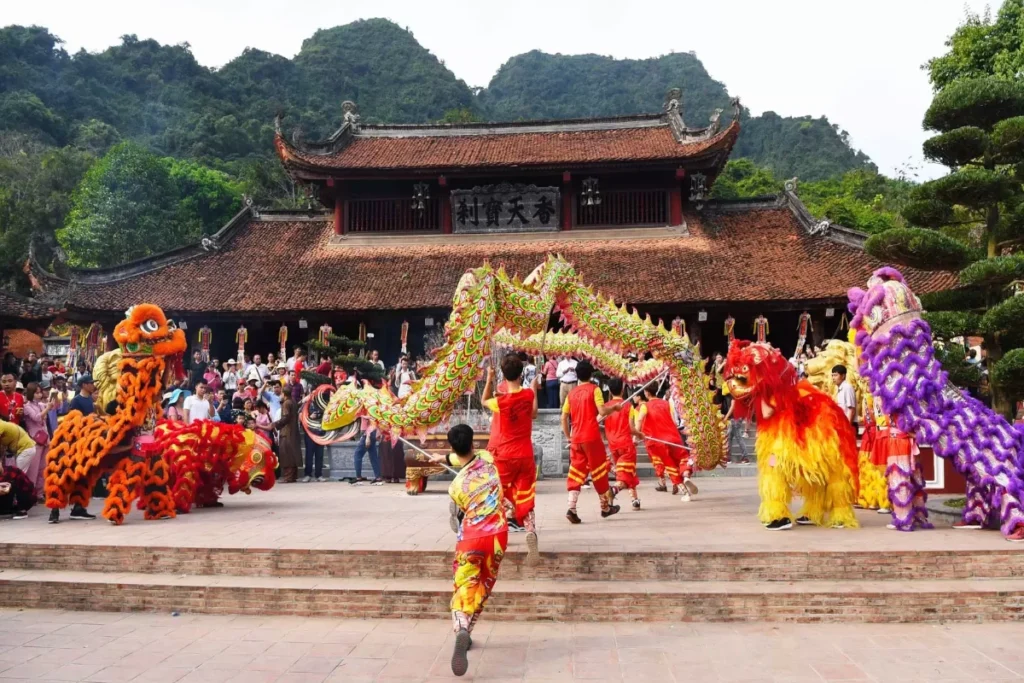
{"points": [[676, 199], [446, 206], [567, 198], [339, 207]]}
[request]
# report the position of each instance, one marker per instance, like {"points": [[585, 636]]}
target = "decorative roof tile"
{"points": [[282, 266], [22, 308]]}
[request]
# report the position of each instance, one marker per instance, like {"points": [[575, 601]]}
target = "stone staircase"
{"points": [[824, 586]]}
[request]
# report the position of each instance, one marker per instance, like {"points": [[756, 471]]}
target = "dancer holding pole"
{"points": [[482, 535], [620, 430], [664, 443], [582, 407], [516, 410]]}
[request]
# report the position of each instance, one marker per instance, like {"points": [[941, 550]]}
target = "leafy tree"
{"points": [[742, 178], [974, 216], [125, 208], [36, 184], [208, 198]]}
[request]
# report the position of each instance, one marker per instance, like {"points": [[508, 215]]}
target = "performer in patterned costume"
{"points": [[586, 449], [513, 447], [482, 537], [897, 452]]}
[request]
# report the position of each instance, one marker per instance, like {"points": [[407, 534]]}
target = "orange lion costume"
{"points": [[804, 441], [85, 447]]}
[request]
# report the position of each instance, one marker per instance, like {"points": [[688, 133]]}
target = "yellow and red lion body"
{"points": [[206, 457], [804, 445]]}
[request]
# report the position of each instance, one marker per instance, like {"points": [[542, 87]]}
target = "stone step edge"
{"points": [[879, 588]]}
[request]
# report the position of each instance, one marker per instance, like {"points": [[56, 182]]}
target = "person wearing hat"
{"points": [[230, 377], [174, 404], [84, 401]]}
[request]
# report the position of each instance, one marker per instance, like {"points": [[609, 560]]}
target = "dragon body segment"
{"points": [[488, 301]]}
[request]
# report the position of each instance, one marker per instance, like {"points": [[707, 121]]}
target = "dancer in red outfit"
{"points": [[620, 430], [513, 448], [586, 449], [658, 427]]}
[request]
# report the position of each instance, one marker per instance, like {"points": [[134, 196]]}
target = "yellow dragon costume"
{"points": [[487, 302]]}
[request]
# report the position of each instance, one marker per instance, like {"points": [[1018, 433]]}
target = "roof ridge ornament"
{"points": [[350, 114], [674, 111], [737, 108]]}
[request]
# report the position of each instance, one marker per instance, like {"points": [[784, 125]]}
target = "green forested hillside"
{"points": [[538, 85], [91, 144]]}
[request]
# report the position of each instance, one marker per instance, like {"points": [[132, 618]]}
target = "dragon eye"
{"points": [[150, 326]]}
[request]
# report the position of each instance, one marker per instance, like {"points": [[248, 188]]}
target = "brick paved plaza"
{"points": [[158, 648], [338, 516]]}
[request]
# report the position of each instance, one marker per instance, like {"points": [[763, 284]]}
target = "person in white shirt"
{"points": [[404, 377], [230, 377], [845, 396], [375, 359], [566, 374], [198, 406], [290, 365]]}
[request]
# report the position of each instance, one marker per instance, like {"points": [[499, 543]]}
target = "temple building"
{"points": [[399, 212]]}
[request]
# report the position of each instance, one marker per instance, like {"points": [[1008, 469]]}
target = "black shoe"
{"points": [[460, 662], [79, 512], [779, 524], [515, 527], [612, 509], [21, 514], [661, 487], [804, 521], [54, 516], [573, 517], [636, 504]]}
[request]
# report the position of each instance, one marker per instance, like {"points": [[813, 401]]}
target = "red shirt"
{"points": [[616, 426], [12, 407], [658, 421], [515, 415], [582, 406]]}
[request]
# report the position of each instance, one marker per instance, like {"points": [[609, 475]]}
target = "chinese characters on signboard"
{"points": [[506, 208]]}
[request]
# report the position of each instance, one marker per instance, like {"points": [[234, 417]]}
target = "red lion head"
{"points": [[757, 370]]}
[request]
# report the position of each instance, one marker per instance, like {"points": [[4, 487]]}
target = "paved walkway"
{"points": [[339, 516], [160, 648]]}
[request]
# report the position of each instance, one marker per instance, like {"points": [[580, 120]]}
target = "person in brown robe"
{"points": [[289, 440], [392, 460]]}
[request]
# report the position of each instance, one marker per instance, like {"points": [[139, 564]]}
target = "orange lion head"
{"points": [[753, 369], [146, 331]]}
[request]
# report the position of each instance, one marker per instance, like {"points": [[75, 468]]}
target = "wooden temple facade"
{"points": [[405, 210]]}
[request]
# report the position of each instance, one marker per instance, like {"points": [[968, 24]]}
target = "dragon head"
{"points": [[342, 409], [253, 465], [146, 331], [753, 369], [886, 299]]}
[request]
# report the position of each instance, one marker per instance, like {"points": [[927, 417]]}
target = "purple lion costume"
{"points": [[898, 360]]}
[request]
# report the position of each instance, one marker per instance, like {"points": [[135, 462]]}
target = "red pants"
{"points": [[587, 458], [625, 466], [674, 459], [519, 482]]}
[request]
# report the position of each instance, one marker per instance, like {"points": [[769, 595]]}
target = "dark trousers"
{"points": [[362, 449], [314, 458], [551, 390]]}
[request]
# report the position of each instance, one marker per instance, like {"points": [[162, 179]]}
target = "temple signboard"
{"points": [[506, 208]]}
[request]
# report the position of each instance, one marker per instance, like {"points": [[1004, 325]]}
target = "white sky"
{"points": [[856, 62]]}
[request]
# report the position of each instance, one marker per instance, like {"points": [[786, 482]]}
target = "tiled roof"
{"points": [[280, 266], [22, 308], [521, 149]]}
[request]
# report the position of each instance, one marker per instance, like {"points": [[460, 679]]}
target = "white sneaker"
{"points": [[684, 495], [321, 478], [306, 480]]}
